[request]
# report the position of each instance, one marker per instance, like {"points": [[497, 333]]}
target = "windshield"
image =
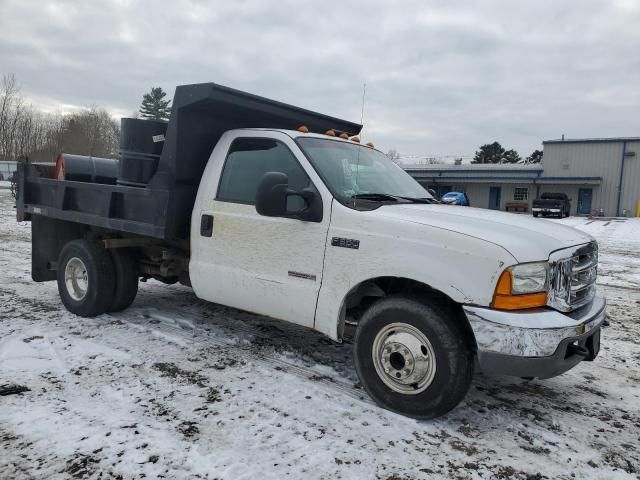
{"points": [[351, 170]]}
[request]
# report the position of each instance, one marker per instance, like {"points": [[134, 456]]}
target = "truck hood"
{"points": [[525, 238]]}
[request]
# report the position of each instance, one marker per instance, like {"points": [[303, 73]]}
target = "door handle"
{"points": [[206, 225]]}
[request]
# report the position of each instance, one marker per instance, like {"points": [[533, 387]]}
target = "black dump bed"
{"points": [[161, 208]]}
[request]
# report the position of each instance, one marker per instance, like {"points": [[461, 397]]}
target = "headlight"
{"points": [[522, 286], [529, 277]]}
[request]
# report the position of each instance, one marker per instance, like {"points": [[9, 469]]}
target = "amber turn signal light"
{"points": [[519, 302], [503, 299]]}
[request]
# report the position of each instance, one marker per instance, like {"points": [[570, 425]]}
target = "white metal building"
{"points": [[602, 173]]}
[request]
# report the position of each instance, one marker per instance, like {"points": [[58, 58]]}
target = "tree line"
{"points": [[496, 153], [26, 132], [489, 153]]}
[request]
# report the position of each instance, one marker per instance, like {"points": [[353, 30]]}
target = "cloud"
{"points": [[442, 77]]}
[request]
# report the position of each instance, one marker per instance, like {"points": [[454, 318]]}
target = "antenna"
{"points": [[364, 92]]}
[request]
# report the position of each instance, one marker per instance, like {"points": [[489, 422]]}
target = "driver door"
{"points": [[267, 265]]}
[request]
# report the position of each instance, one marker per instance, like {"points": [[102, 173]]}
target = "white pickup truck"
{"points": [[323, 231]]}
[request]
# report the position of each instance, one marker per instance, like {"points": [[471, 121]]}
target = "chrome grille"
{"points": [[573, 276]]}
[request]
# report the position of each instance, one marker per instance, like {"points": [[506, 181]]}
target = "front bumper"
{"points": [[539, 342]]}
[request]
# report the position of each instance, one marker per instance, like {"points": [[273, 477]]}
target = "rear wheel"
{"points": [[413, 357], [86, 278], [535, 215], [126, 273]]}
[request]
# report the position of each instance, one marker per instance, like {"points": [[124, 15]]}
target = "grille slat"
{"points": [[573, 275], [578, 288]]}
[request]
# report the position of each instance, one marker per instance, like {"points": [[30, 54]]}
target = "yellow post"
{"points": [[638, 209]]}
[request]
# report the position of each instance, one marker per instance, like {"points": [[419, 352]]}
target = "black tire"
{"points": [[99, 274], [126, 279], [535, 215], [452, 349]]}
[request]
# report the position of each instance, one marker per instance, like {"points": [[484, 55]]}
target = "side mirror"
{"points": [[274, 198]]}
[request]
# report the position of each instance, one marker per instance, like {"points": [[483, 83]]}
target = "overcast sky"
{"points": [[442, 77]]}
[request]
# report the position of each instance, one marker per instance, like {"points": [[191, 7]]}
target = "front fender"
{"points": [[464, 268]]}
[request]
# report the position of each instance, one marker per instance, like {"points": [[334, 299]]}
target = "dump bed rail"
{"points": [[128, 209]]}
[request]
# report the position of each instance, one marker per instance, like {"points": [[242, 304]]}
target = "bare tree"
{"points": [[26, 132], [90, 132], [394, 156], [10, 104]]}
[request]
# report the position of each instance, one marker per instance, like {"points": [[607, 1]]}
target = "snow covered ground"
{"points": [[178, 388]]}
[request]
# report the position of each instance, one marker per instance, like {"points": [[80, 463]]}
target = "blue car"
{"points": [[456, 198]]}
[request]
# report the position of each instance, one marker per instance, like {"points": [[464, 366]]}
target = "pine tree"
{"points": [[154, 106], [510, 156], [489, 153], [495, 153], [535, 157]]}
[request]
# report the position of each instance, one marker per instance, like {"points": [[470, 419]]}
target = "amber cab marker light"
{"points": [[303, 129], [370, 145], [355, 139], [330, 133], [504, 300], [345, 136]]}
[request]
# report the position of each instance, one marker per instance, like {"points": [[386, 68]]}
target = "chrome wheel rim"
{"points": [[404, 358], [75, 279]]}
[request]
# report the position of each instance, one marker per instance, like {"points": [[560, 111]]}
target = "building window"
{"points": [[521, 194]]}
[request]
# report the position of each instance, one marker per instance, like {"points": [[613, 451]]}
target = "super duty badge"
{"points": [[345, 242]]}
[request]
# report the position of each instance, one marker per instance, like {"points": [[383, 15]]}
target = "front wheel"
{"points": [[413, 357]]}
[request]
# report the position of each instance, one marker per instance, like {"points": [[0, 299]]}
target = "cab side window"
{"points": [[248, 160]]}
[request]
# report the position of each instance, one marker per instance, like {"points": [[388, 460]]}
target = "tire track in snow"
{"points": [[152, 320]]}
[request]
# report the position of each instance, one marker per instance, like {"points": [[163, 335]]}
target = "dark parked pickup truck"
{"points": [[555, 204]]}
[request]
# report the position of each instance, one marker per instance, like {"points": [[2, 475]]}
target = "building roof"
{"points": [[475, 167], [593, 140], [491, 173]]}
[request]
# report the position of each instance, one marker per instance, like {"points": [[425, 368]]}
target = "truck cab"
{"points": [[319, 231], [325, 232]]}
